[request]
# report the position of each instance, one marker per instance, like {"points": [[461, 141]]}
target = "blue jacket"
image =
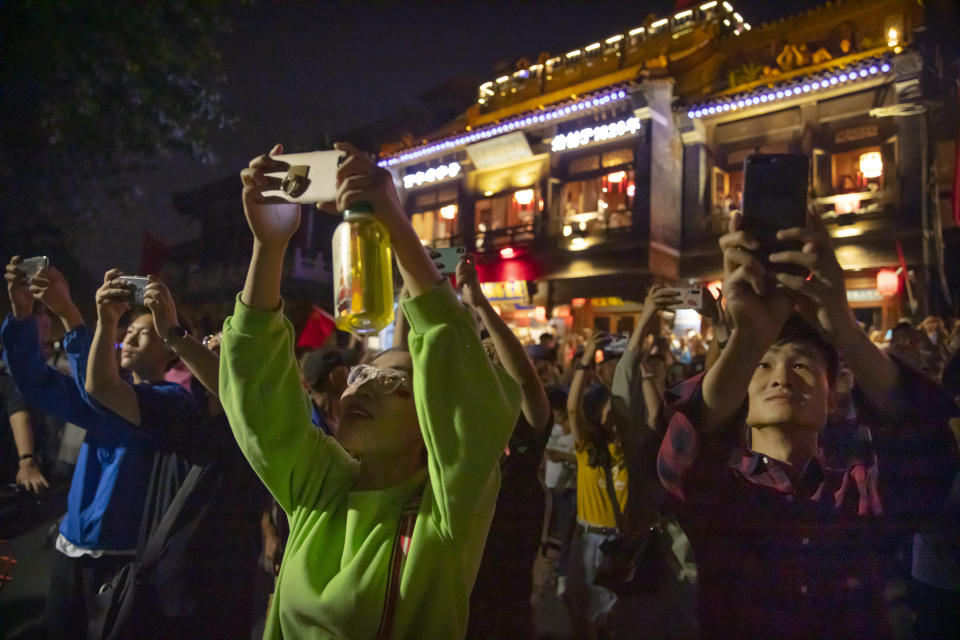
{"points": [[105, 503]]}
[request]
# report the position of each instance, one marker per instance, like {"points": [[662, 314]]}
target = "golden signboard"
{"points": [[606, 302], [511, 291]]}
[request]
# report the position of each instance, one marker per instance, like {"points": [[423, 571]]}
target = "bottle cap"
{"points": [[358, 209]]}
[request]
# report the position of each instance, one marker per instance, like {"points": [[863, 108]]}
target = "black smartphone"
{"points": [[775, 198]]}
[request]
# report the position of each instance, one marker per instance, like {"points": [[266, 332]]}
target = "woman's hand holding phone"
{"points": [[272, 219], [359, 179]]}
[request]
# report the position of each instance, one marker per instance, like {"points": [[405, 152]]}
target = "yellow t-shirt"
{"points": [[593, 500]]}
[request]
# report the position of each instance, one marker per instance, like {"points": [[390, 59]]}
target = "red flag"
{"points": [[152, 254], [319, 326]]}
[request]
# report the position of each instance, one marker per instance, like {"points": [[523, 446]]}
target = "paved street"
{"points": [[25, 520]]}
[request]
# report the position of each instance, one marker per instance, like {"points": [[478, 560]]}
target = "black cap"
{"points": [[317, 365]]}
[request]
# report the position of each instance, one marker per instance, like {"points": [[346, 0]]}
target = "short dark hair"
{"points": [[798, 329], [557, 397], [592, 405], [545, 336]]}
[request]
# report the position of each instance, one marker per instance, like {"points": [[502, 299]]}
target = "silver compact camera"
{"points": [[33, 266], [137, 286]]}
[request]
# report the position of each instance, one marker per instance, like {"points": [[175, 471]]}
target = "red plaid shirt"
{"points": [[784, 560]]}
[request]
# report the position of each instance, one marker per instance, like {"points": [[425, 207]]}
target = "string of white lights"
{"points": [[520, 122], [853, 73]]}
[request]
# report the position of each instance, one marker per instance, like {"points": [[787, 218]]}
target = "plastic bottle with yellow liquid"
{"points": [[362, 272]]}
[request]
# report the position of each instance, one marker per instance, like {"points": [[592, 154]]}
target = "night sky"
{"points": [[297, 70]]}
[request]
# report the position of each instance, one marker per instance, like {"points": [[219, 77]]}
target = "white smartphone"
{"points": [[690, 297], [33, 266], [312, 176]]}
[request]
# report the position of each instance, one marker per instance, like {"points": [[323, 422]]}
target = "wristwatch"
{"points": [[174, 335], [582, 367]]}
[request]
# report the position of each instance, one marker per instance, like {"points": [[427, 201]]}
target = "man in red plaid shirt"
{"points": [[786, 546]]}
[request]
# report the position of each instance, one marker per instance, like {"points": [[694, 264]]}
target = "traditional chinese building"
{"points": [[589, 175]]}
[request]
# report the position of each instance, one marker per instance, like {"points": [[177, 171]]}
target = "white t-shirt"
{"points": [[560, 475]]}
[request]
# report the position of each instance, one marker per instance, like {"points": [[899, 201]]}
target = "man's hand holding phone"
{"points": [[112, 298], [51, 288], [658, 298], [755, 305], [821, 294], [159, 301], [18, 289]]}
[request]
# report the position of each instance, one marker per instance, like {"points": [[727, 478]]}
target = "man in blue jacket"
{"points": [[105, 505]]}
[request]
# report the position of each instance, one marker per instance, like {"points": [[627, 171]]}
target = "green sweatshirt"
{"points": [[333, 580]]}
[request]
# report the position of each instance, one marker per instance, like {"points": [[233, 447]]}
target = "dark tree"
{"points": [[91, 93]]}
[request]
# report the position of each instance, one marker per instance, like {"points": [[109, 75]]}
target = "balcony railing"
{"points": [[859, 203], [508, 237]]}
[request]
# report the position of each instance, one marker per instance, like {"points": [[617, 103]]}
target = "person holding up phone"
{"points": [[500, 604], [786, 546], [601, 473], [195, 568], [99, 532], [411, 478]]}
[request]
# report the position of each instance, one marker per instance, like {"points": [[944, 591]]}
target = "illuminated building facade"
{"points": [[592, 174]]}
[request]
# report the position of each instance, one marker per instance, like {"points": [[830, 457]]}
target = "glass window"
{"points": [[506, 218], [517, 209], [436, 227], [727, 191], [725, 197], [595, 204], [857, 170]]}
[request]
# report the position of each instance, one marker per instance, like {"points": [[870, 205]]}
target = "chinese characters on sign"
{"points": [[514, 290]]}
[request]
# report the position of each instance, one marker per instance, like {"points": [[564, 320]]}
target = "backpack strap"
{"points": [[158, 539], [398, 558], [612, 493]]}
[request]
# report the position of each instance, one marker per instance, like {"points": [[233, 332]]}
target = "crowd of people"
{"points": [[783, 472]]}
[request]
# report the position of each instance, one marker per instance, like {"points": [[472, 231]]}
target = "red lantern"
{"points": [[888, 282]]}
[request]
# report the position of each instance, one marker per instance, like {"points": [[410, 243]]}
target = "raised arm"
{"points": [[631, 405], [652, 396], [578, 424], [758, 311], [51, 288], [714, 311], [259, 381], [202, 362], [535, 407], [823, 300], [43, 386], [103, 382], [360, 179], [401, 330]]}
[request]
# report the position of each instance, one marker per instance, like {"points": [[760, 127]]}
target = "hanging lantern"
{"points": [[871, 164], [524, 196], [888, 282]]}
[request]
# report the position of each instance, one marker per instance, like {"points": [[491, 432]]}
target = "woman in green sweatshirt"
{"points": [[433, 420]]}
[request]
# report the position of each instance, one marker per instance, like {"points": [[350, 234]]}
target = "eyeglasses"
{"points": [[385, 381]]}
